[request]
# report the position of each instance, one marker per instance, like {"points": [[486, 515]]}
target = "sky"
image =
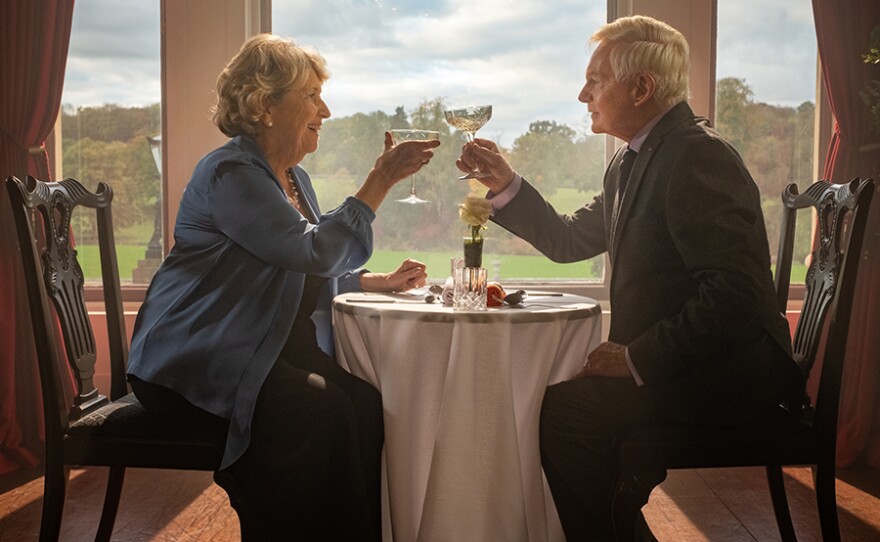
{"points": [[524, 57]]}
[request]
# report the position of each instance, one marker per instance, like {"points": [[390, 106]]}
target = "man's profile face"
{"points": [[608, 101]]}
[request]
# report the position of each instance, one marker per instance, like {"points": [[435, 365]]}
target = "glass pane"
{"points": [[766, 101], [400, 64], [110, 115]]}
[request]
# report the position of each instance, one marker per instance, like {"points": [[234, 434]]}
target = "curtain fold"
{"points": [[34, 39], [843, 32]]}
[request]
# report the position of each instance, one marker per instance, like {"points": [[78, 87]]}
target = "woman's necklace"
{"points": [[294, 194]]}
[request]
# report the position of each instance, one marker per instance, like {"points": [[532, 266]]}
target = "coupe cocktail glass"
{"points": [[469, 120], [413, 135]]}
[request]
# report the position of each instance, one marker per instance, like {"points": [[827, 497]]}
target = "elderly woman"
{"points": [[225, 332]]}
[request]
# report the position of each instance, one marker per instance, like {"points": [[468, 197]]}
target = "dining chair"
{"points": [[85, 428], [804, 434]]}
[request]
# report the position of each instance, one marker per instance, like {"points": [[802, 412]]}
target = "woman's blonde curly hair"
{"points": [[265, 68]]}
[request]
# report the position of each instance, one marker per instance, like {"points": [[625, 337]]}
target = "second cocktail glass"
{"points": [[413, 135]]}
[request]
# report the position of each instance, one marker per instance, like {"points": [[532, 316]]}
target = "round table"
{"points": [[461, 393]]}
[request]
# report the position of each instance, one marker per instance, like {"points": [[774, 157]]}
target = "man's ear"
{"points": [[643, 88]]}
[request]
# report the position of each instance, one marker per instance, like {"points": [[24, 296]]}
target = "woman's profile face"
{"points": [[297, 118]]}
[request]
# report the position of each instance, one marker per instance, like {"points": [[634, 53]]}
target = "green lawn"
{"points": [[126, 255], [509, 267], [382, 261], [567, 200], [133, 242]]}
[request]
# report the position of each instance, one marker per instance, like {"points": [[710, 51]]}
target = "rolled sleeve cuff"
{"points": [[362, 207]]}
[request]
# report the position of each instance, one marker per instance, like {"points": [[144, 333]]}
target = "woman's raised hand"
{"points": [[396, 162]]}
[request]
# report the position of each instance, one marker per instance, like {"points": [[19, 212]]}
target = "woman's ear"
{"points": [[268, 110]]}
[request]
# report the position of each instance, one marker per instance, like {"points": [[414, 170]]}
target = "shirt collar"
{"points": [[642, 135]]}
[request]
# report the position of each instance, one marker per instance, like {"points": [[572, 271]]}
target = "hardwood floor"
{"points": [[733, 505], [718, 505], [161, 506]]}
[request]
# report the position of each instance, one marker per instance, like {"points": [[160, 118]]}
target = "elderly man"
{"points": [[695, 336]]}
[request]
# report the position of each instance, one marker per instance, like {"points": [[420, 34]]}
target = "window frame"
{"points": [[199, 36]]}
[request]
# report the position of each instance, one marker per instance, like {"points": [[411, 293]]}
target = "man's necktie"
{"points": [[626, 165], [625, 168]]}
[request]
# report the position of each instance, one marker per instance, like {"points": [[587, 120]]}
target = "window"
{"points": [[766, 101], [109, 117], [400, 64], [397, 65]]}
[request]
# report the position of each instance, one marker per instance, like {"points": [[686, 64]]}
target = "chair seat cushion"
{"points": [[124, 433], [774, 438]]}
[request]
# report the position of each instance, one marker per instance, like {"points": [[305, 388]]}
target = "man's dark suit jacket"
{"points": [[691, 287]]}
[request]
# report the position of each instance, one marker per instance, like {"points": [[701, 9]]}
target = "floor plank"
{"points": [[717, 505], [734, 505], [160, 506]]}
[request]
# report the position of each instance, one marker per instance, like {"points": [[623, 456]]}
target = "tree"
{"points": [[802, 151], [107, 143], [109, 122], [732, 100], [776, 144], [588, 163], [399, 120], [127, 166], [545, 154]]}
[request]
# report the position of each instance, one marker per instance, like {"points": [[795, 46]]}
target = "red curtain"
{"points": [[34, 35], [843, 31]]}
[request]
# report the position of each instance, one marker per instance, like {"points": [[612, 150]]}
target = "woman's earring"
{"points": [[268, 123]]}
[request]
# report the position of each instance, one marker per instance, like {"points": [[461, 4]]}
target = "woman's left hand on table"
{"points": [[411, 274]]}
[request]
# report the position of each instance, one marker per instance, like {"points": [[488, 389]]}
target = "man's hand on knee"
{"points": [[608, 359]]}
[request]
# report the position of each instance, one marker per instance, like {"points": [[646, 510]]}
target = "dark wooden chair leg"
{"points": [[54, 492], [780, 503], [826, 499], [111, 503]]}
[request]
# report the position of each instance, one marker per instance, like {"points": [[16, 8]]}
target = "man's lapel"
{"points": [[676, 116]]}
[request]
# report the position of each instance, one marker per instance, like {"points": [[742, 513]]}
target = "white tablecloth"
{"points": [[462, 393]]}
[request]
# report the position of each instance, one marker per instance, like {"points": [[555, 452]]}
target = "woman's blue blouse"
{"points": [[219, 309]]}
